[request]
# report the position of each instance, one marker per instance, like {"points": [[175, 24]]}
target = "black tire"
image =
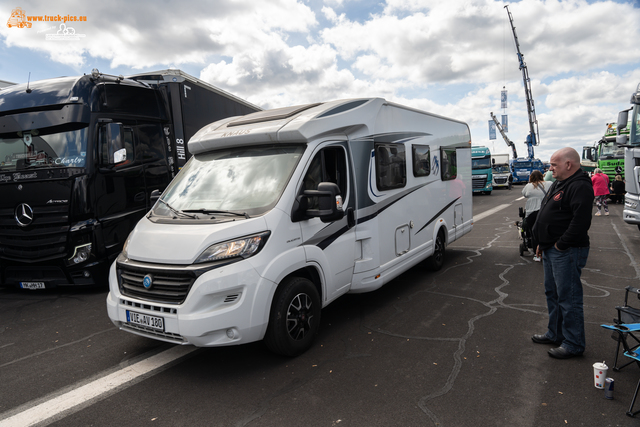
{"points": [[295, 317], [436, 261]]}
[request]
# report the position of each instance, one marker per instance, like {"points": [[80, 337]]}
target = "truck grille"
{"points": [[167, 286], [44, 239], [501, 180], [479, 182]]}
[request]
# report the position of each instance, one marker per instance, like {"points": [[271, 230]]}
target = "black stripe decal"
{"points": [[437, 215]]}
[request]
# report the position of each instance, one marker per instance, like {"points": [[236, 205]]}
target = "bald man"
{"points": [[562, 229]]}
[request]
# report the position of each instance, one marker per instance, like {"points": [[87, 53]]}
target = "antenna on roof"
{"points": [[28, 81]]}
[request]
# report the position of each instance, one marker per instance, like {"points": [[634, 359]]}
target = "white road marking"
{"points": [[95, 389], [485, 214]]}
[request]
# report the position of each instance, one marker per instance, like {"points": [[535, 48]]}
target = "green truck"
{"points": [[605, 154]]}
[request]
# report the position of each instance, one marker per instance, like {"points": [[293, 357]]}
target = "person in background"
{"points": [[548, 176], [617, 190], [562, 230], [600, 190], [534, 191]]}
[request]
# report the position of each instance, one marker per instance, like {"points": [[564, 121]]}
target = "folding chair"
{"points": [[626, 315], [635, 358]]}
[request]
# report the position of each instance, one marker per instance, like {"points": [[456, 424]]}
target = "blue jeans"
{"points": [[563, 289]]}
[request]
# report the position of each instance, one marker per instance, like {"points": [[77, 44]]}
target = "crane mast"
{"points": [[533, 137], [504, 135]]}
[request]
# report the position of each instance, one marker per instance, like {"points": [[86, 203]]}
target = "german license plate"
{"points": [[152, 322], [32, 285]]}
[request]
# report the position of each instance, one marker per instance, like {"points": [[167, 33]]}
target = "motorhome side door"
{"points": [[331, 245]]}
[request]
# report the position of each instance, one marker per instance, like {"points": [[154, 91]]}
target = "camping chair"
{"points": [[635, 358], [622, 332], [625, 335]]}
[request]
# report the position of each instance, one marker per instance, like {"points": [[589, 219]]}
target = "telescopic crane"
{"points": [[506, 138], [533, 138]]}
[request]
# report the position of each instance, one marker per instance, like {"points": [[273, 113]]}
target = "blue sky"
{"points": [[450, 58]]}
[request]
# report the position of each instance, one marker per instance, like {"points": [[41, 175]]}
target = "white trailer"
{"points": [[280, 212]]}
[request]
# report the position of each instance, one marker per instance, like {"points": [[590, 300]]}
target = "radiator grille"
{"points": [[166, 286]]}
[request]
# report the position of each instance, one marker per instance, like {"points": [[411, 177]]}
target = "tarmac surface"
{"points": [[451, 348]]}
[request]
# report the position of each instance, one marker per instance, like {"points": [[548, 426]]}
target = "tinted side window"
{"points": [[329, 165], [151, 142], [390, 166], [421, 160], [449, 164]]}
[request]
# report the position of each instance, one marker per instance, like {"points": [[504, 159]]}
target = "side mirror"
{"points": [[493, 161], [113, 149], [329, 201], [623, 118], [155, 195], [622, 139]]}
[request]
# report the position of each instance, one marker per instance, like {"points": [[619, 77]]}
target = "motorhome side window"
{"points": [[449, 164], [390, 166], [421, 160], [329, 165]]}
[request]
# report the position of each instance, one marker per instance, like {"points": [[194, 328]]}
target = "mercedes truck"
{"points": [[631, 142], [79, 160]]}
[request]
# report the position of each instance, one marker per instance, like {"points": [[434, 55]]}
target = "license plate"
{"points": [[32, 285], [152, 322]]}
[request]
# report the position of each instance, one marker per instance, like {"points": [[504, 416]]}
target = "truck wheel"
{"points": [[436, 261], [295, 317]]}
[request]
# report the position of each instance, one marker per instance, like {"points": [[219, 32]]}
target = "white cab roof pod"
{"points": [[301, 123]]}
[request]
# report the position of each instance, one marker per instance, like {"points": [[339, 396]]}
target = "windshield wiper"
{"points": [[176, 211], [212, 211]]}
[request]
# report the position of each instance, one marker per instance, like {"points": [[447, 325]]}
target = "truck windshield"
{"points": [[483, 163], [247, 180], [34, 149], [501, 169], [522, 165], [610, 150]]}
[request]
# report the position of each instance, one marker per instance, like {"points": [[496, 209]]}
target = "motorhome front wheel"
{"points": [[294, 317]]}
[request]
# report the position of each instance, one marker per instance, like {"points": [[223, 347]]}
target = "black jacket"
{"points": [[565, 214]]}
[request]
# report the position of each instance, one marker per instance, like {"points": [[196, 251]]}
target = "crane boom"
{"points": [[504, 135], [533, 138]]}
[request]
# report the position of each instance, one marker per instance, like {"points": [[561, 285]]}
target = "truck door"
{"points": [[120, 188], [331, 245]]}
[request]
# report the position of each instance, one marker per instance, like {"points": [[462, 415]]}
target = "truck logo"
{"points": [[18, 19], [24, 215], [147, 281], [435, 166]]}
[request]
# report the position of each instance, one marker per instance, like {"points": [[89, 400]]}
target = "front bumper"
{"points": [[224, 306], [52, 275]]}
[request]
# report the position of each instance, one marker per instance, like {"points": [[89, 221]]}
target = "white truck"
{"points": [[501, 171], [631, 142], [280, 212]]}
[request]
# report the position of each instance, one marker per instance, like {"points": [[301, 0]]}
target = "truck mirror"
{"points": [[622, 139], [493, 161], [330, 201], [623, 118], [113, 150]]}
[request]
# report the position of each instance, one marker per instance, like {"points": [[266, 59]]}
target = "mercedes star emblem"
{"points": [[24, 215]]}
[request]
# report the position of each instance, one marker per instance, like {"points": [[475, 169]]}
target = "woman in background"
{"points": [[617, 190], [534, 191], [600, 190]]}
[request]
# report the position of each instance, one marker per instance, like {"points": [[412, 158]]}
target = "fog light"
{"points": [[81, 253], [86, 273], [231, 334]]}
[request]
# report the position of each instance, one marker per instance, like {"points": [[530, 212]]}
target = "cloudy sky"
{"points": [[447, 57]]}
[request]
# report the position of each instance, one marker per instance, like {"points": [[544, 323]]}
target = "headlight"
{"points": [[245, 247], [81, 254]]}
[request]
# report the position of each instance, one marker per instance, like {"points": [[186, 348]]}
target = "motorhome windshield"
{"points": [[246, 180], [43, 149], [610, 150], [483, 163]]}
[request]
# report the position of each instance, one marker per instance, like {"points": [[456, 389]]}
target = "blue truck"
{"points": [[482, 178]]}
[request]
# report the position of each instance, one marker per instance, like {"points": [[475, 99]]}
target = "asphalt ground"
{"points": [[451, 348]]}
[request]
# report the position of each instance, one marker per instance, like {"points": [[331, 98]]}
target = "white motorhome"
{"points": [[280, 212]]}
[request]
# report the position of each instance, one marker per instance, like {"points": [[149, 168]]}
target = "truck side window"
{"points": [[449, 164], [329, 165], [390, 166], [151, 142], [421, 160]]}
